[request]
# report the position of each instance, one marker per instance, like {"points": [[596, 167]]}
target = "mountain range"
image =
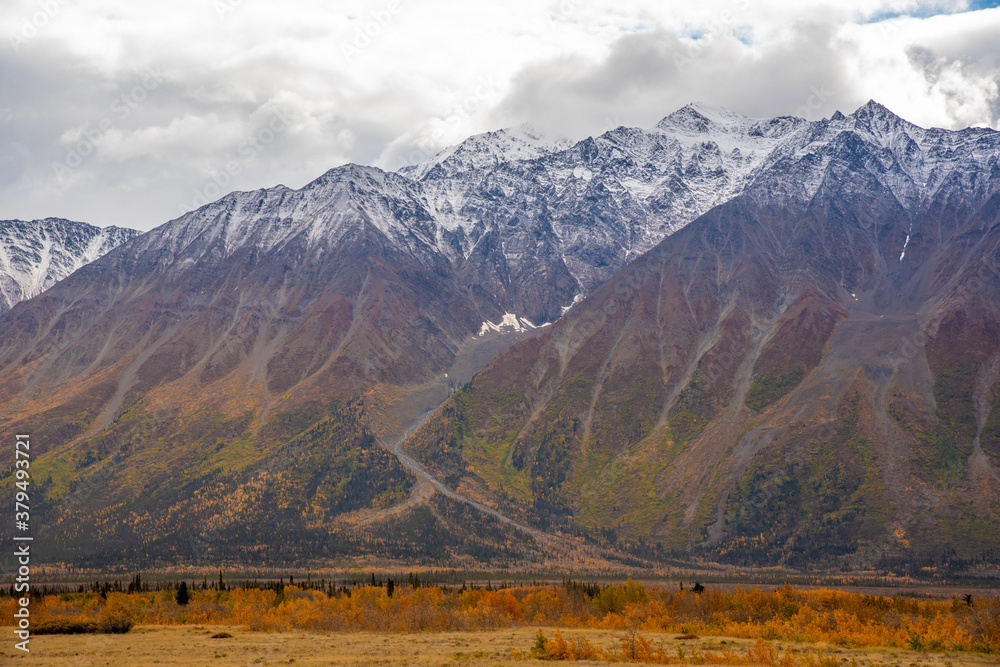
{"points": [[748, 341]]}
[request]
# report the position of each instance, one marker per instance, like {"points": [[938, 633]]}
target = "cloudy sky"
{"points": [[130, 113]]}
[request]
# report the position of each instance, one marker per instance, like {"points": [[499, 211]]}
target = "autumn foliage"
{"points": [[636, 648], [836, 617]]}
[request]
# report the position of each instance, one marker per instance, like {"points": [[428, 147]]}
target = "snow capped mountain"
{"points": [[338, 203], [490, 149], [918, 161], [528, 222], [35, 255], [692, 160], [911, 161], [725, 148], [577, 214]]}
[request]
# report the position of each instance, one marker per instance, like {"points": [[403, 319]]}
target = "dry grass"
{"points": [[194, 646]]}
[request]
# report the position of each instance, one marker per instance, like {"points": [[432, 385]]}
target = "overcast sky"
{"points": [[131, 112]]}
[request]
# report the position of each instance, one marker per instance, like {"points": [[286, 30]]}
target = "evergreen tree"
{"points": [[182, 594], [390, 586]]}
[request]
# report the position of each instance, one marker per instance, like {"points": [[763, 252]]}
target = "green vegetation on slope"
{"points": [[822, 504], [767, 389]]}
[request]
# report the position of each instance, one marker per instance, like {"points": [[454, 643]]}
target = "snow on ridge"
{"points": [[36, 254], [916, 162], [489, 149], [511, 322], [342, 199], [658, 180], [699, 117]]}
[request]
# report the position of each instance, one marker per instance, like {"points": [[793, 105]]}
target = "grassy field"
{"points": [[195, 646]]}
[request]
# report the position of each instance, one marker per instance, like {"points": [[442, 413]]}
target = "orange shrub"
{"points": [[822, 615]]}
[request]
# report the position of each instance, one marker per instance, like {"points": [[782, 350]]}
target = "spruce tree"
{"points": [[182, 594]]}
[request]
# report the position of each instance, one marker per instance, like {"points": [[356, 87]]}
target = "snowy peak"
{"points": [[701, 118], [883, 125], [912, 162], [36, 254], [488, 150], [874, 114], [706, 121], [357, 175], [346, 200]]}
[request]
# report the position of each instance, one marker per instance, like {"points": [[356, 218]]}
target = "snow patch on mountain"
{"points": [[36, 254], [577, 299], [510, 322]]}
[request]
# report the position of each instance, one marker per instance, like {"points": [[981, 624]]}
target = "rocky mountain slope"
{"points": [[170, 379], [236, 368], [36, 255], [807, 374]]}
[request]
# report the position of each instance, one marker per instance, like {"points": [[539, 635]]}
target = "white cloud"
{"points": [[385, 81]]}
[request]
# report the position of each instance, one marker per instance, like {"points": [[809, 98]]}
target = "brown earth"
{"points": [[195, 647]]}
